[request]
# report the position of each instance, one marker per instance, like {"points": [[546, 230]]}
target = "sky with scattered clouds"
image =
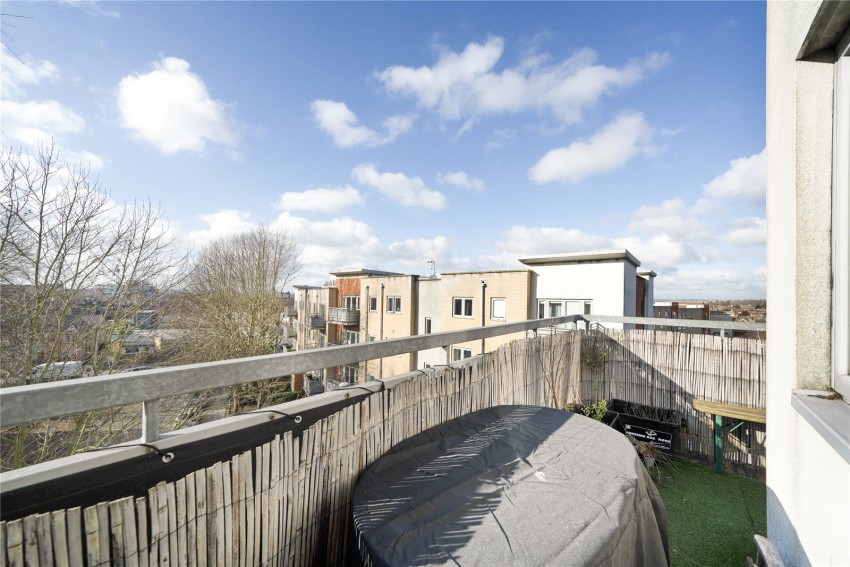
{"points": [[384, 135]]}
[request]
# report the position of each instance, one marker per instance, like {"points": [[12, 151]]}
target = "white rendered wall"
{"points": [[428, 296], [808, 483], [603, 283]]}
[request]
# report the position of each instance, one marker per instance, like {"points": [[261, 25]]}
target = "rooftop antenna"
{"points": [[433, 265]]}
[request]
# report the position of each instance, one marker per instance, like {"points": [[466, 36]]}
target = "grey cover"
{"points": [[511, 485]]}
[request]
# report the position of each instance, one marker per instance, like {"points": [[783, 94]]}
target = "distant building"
{"points": [[369, 305], [602, 282], [690, 310]]}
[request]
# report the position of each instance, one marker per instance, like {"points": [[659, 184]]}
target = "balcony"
{"points": [[315, 321], [344, 316], [274, 485]]}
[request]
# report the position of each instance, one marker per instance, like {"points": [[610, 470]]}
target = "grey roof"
{"points": [[582, 258]]}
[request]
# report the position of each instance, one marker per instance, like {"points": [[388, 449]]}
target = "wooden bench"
{"points": [[719, 411]]}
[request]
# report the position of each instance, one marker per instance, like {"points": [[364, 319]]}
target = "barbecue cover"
{"points": [[511, 485]]}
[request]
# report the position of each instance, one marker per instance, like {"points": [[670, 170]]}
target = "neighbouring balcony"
{"points": [[274, 486], [343, 316], [315, 321]]}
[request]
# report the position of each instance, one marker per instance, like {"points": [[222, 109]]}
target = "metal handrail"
{"points": [[23, 404]]}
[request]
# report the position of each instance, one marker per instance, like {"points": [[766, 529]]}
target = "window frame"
{"points": [[464, 302], [351, 302], [427, 325], [504, 303], [393, 304], [841, 221], [460, 353], [373, 303]]}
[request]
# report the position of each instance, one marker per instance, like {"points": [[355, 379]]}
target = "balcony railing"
{"points": [[343, 316], [265, 463], [315, 321]]}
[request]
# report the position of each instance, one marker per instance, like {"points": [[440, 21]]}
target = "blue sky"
{"points": [[384, 135]]}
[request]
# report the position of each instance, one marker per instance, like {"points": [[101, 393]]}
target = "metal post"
{"points": [[718, 444], [150, 421]]}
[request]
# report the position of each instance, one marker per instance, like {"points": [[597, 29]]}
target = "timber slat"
{"points": [[288, 502]]}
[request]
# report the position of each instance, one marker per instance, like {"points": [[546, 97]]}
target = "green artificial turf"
{"points": [[711, 518]]}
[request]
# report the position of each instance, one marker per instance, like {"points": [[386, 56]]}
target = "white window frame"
{"points": [[373, 303], [349, 374], [459, 353], [350, 337], [559, 305], [393, 304], [493, 310], [841, 221], [351, 302], [465, 304], [427, 326]]}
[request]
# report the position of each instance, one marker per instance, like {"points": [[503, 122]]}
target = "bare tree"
{"points": [[231, 306], [74, 268]]}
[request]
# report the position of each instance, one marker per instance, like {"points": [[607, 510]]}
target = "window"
{"points": [[427, 325], [541, 310], [556, 309], [351, 302], [393, 305], [460, 353], [373, 304], [349, 373], [497, 309], [350, 337], [462, 307], [587, 307], [841, 222]]}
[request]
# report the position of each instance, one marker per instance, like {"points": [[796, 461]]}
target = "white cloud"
{"points": [[660, 251], [407, 191], [221, 223], [414, 253], [466, 84], [744, 178], [92, 8], [336, 119], [84, 159], [29, 123], [710, 284], [609, 149], [461, 179], [521, 241], [500, 138], [328, 246], [671, 217], [748, 231], [16, 72], [321, 199], [171, 109]]}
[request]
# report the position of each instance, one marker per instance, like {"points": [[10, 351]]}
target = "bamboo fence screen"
{"points": [[288, 502]]}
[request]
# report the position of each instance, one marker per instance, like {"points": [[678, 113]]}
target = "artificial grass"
{"points": [[711, 518]]}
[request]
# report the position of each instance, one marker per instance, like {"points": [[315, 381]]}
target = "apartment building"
{"points": [[370, 305], [391, 314], [344, 313], [480, 299], [602, 282], [311, 307]]}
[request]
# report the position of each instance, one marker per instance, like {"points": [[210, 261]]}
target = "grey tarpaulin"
{"points": [[511, 485]]}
